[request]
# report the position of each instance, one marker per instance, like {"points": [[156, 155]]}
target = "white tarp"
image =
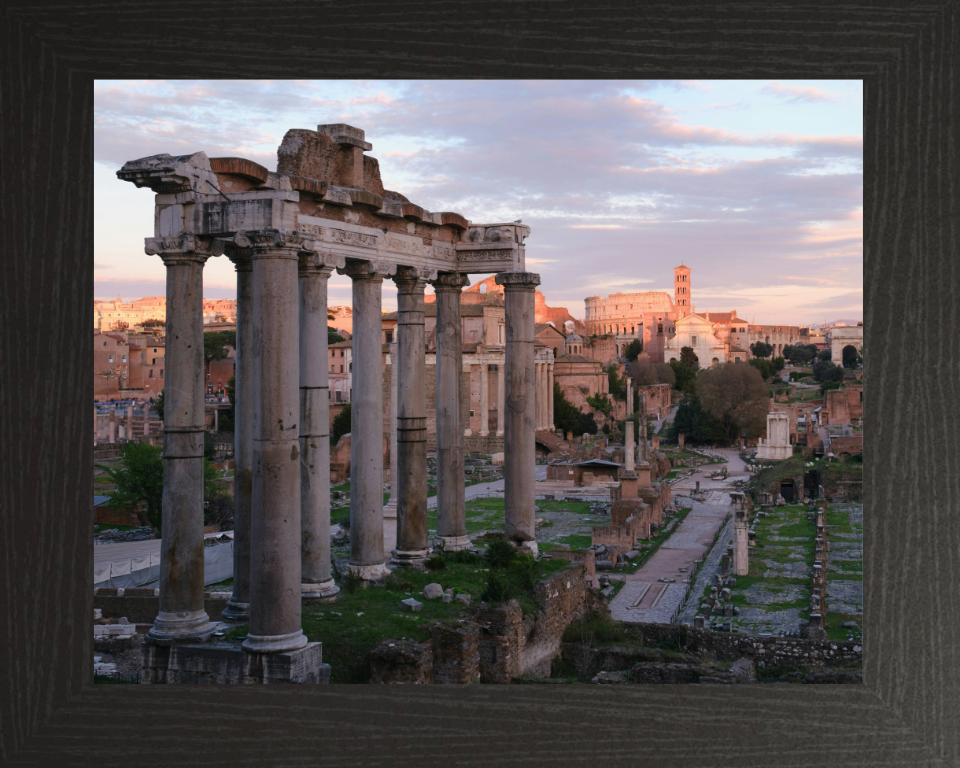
{"points": [[144, 571]]}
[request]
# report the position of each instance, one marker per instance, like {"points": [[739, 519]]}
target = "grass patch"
{"points": [[837, 633], [347, 637], [220, 586], [575, 540]]}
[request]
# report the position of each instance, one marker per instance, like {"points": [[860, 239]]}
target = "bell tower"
{"points": [[681, 291]]}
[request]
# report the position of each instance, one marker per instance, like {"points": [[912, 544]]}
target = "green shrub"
{"points": [[500, 553], [436, 562], [497, 589], [350, 582], [395, 583], [463, 556]]}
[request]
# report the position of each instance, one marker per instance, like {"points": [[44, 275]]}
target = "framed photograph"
{"points": [[535, 372]]}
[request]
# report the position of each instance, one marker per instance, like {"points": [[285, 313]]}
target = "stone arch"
{"points": [[715, 361]]}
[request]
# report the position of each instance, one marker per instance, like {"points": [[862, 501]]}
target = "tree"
{"points": [[633, 350], [212, 487], [777, 364], [617, 384], [736, 396], [646, 373], [689, 358], [215, 344], [824, 355], [568, 417], [699, 426], [333, 337], [158, 405], [683, 376], [764, 366], [139, 481], [828, 385], [341, 425], [153, 323], [228, 419], [824, 370], [761, 349], [799, 354], [121, 326], [598, 402], [850, 357]]}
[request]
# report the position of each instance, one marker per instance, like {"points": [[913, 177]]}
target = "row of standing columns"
{"points": [[281, 482], [544, 376]]}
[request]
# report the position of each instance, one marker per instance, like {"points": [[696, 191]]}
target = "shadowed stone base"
{"points": [[236, 612], [324, 592], [292, 641], [171, 629], [453, 543], [369, 572], [227, 664], [414, 558], [529, 546]]}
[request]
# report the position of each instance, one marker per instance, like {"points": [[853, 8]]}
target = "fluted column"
{"points": [[550, 422], [501, 399], [366, 421], [411, 373], [520, 432], [484, 397], [538, 397], [466, 397], [238, 606], [451, 509], [275, 508], [316, 579], [182, 617]]}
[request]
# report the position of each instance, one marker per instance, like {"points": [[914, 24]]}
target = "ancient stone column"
{"points": [[182, 618], [465, 398], [541, 401], [390, 508], [112, 435], [451, 510], [520, 433], [366, 422], [550, 422], [275, 513], [129, 429], [501, 371], [316, 580], [411, 432], [643, 425], [484, 396], [629, 397], [238, 606], [628, 450]]}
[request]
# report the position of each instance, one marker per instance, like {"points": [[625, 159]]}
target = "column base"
{"points": [[409, 558], [220, 664], [499, 433], [236, 612], [324, 591], [452, 543], [369, 572], [176, 629], [275, 643], [529, 546]]}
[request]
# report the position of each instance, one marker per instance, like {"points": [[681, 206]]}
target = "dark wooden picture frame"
{"points": [[907, 712]]}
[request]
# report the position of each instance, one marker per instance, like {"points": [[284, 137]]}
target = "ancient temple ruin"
{"points": [[325, 208]]}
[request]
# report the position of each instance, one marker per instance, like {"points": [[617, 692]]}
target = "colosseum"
{"points": [[666, 325]]}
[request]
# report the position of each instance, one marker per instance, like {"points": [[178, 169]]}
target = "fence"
{"points": [[144, 571]]}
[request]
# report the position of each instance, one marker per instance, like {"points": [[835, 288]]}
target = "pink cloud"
{"points": [[797, 93]]}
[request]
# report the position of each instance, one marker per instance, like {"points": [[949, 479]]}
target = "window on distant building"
{"points": [[110, 358], [389, 337], [124, 358], [341, 369], [161, 373], [693, 339]]}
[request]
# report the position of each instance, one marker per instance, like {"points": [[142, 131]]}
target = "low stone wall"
{"points": [[497, 645], [787, 652]]}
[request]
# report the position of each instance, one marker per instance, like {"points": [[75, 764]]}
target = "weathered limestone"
{"points": [[628, 450], [316, 579], [520, 427], [643, 426], [411, 432], [390, 508], [181, 618], [238, 607], [550, 422], [484, 397], [366, 421], [501, 400], [741, 542], [451, 509], [275, 512], [777, 445]]}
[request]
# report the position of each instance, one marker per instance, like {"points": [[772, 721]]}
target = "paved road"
{"points": [[125, 550], [686, 545]]}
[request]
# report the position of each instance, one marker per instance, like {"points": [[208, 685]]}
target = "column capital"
{"points": [[319, 263], [356, 269], [413, 279], [518, 281], [180, 248], [271, 243], [450, 281]]}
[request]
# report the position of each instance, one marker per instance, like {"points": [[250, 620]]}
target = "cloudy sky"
{"points": [[755, 185]]}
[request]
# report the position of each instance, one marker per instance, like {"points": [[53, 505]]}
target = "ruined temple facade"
{"points": [[666, 325], [325, 208]]}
